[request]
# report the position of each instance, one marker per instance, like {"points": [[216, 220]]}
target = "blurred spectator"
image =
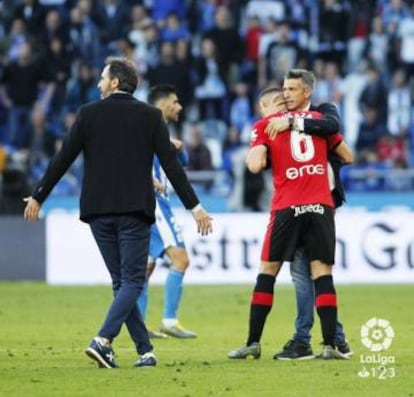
{"points": [[84, 38], [354, 83], [329, 87], [33, 15], [201, 15], [43, 138], [114, 19], [125, 48], [249, 66], [333, 22], [7, 9], [198, 152], [231, 144], [253, 35], [406, 36], [399, 105], [17, 36], [374, 94], [240, 108], [144, 34], [282, 53], [269, 35], [139, 14], [170, 70], [393, 13], [228, 43], [59, 68], [199, 156], [370, 130], [174, 29], [211, 88], [21, 87], [378, 46], [360, 17], [54, 28], [81, 88]]}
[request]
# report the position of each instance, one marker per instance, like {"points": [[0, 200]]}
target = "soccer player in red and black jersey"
{"points": [[297, 90], [302, 214]]}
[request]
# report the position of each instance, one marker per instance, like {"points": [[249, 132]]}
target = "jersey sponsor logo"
{"points": [[293, 173], [308, 208]]}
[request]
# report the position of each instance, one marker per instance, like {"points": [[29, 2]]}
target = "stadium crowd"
{"points": [[219, 54]]}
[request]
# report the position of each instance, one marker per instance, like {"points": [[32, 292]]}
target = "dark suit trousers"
{"points": [[123, 241]]}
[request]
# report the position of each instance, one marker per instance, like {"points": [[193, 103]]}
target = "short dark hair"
{"points": [[306, 76], [160, 91], [126, 72], [270, 90]]}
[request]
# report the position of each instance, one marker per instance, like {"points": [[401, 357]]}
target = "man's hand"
{"points": [[177, 143], [204, 222], [158, 186], [31, 212], [276, 125]]}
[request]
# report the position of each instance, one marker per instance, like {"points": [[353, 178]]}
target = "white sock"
{"points": [[170, 322]]}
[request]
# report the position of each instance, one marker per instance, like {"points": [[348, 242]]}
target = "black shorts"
{"points": [[311, 226]]}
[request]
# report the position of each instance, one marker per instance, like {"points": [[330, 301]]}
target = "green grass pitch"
{"points": [[44, 330]]}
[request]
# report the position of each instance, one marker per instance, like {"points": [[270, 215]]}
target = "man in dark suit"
{"points": [[297, 91], [118, 137]]}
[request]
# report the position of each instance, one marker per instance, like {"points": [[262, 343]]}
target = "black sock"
{"points": [[260, 306], [325, 302]]}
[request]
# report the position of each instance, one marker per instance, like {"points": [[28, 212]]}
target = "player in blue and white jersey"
{"points": [[166, 237]]}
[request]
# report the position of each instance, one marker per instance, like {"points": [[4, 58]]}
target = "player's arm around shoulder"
{"points": [[345, 153], [256, 159]]}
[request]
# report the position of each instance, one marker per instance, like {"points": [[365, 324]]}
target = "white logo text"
{"points": [[309, 169], [303, 209]]}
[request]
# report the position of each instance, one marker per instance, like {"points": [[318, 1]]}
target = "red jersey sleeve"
{"points": [[334, 140], [258, 135]]}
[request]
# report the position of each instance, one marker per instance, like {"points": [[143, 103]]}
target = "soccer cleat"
{"points": [[147, 360], [254, 350], [103, 355], [345, 349], [157, 335], [330, 353], [295, 350], [177, 331]]}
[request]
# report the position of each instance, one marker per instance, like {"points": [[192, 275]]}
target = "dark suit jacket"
{"points": [[328, 125], [118, 137]]}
